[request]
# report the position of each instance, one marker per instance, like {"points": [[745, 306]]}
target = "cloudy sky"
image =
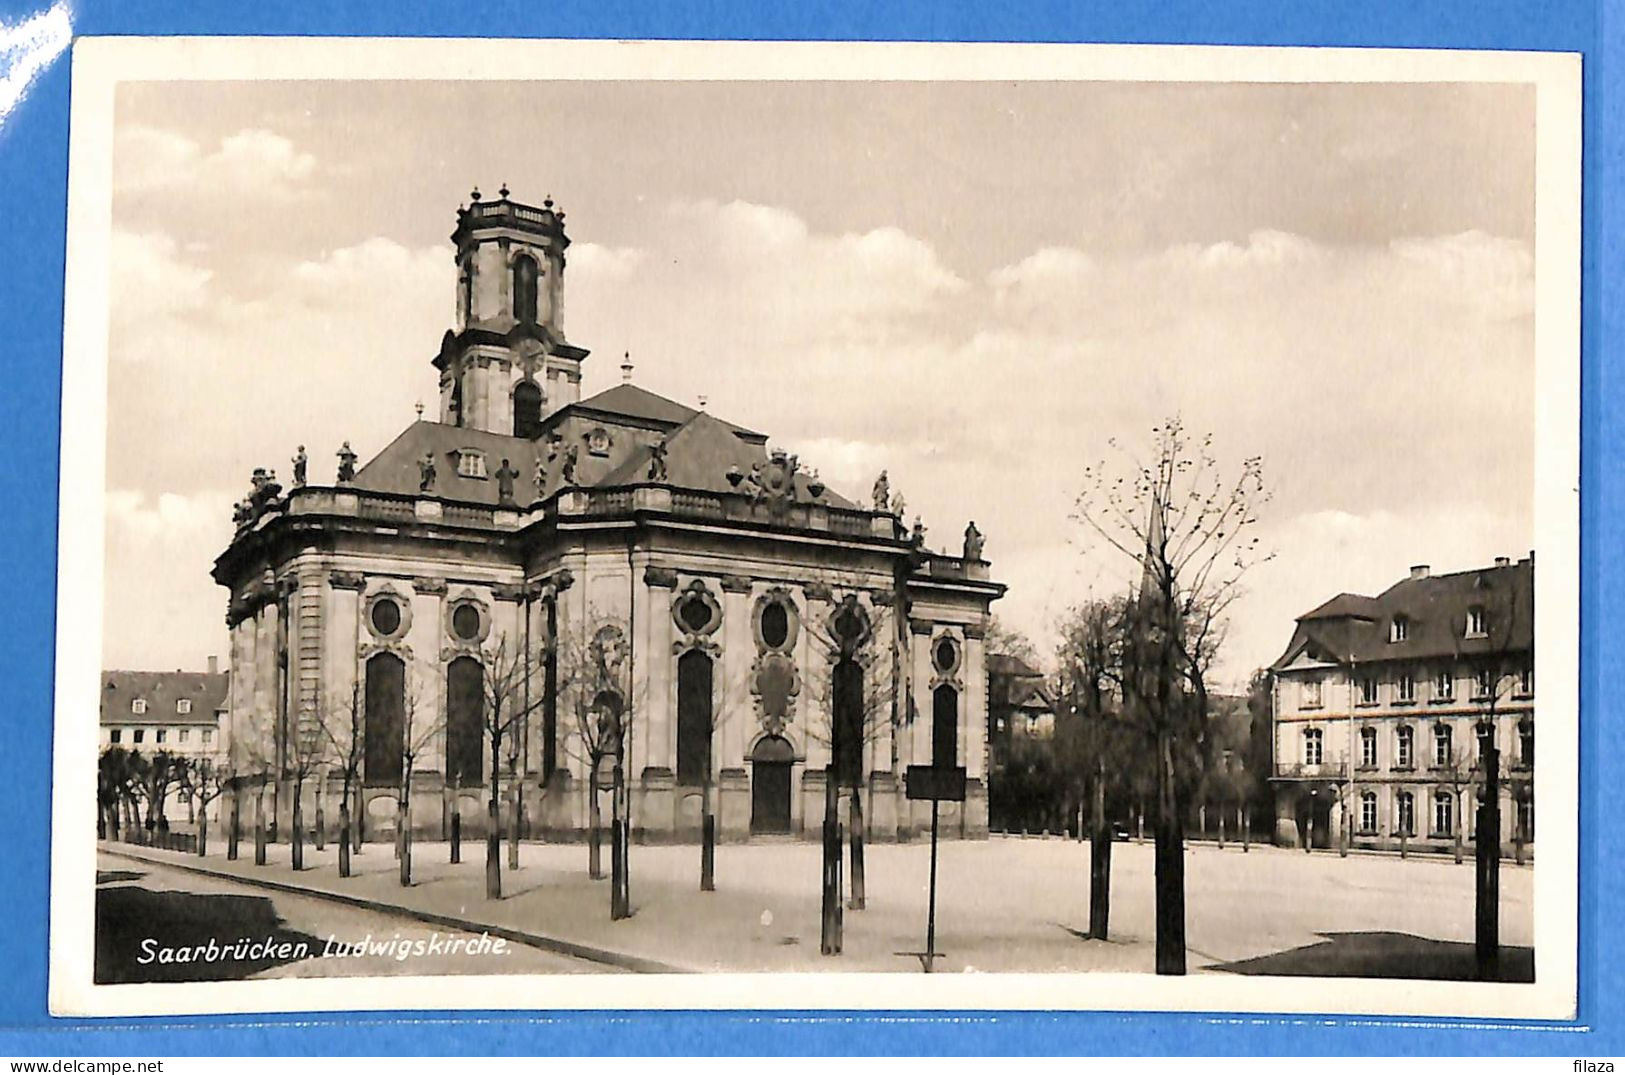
{"points": [[974, 285]]}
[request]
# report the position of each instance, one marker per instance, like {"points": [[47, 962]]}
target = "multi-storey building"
{"points": [[1383, 705], [178, 712], [558, 594]]}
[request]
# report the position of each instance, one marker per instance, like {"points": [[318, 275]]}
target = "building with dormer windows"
{"points": [[1382, 706], [630, 579]]}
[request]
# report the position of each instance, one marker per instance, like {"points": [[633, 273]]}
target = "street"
{"points": [[155, 923]]}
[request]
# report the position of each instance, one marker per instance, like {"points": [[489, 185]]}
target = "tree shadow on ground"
{"points": [[1386, 955], [108, 877], [128, 915]]}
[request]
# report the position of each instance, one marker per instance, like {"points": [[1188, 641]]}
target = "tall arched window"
{"points": [[524, 289], [465, 721], [386, 718], [693, 718], [457, 401], [945, 726], [527, 409]]}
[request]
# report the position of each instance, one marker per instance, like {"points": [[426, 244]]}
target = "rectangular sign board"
{"points": [[942, 782]]}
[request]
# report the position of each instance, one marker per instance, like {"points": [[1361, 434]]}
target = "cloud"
{"points": [[248, 164], [1388, 386], [162, 610]]}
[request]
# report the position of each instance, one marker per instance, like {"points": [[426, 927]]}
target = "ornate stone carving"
{"points": [[425, 585], [697, 614], [882, 598], [946, 660], [426, 473], [882, 492], [920, 627], [786, 628], [736, 584], [508, 591], [818, 591], [975, 630], [849, 626], [347, 580], [663, 577], [562, 579], [300, 462], [287, 584], [774, 684], [378, 624]]}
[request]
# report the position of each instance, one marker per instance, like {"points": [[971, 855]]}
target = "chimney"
{"points": [[214, 665], [1419, 571], [1503, 561]]}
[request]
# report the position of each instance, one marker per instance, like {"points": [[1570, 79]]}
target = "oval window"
{"points": [[945, 655], [465, 622], [386, 617], [696, 615], [775, 625]]}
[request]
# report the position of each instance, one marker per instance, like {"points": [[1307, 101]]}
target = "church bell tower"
{"points": [[506, 365]]}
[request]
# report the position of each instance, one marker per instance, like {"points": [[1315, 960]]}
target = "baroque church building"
{"points": [[569, 592]]}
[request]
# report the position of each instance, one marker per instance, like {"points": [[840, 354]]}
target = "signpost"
{"points": [[936, 783]]}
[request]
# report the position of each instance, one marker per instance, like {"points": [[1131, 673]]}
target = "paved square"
{"points": [[1003, 904]]}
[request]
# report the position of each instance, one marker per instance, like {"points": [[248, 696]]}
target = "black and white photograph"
{"points": [[952, 526]]}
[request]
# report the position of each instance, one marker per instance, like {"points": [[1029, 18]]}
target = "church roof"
{"points": [[700, 448], [629, 401], [395, 469]]}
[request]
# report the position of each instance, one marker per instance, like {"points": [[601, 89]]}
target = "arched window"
{"points": [[1368, 748], [527, 409], [847, 748], [465, 721], [386, 719], [1405, 747], [945, 726], [524, 289], [1313, 746], [457, 401], [693, 718], [1368, 811], [1526, 743]]}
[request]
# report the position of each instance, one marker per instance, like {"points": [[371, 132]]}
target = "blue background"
{"points": [[33, 179]]}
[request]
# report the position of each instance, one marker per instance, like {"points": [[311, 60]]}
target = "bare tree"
{"points": [[506, 704], [154, 780], [342, 724], [1185, 523], [204, 780], [418, 731], [591, 681], [116, 778], [853, 701]]}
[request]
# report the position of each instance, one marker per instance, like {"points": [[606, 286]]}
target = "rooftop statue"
{"points": [[973, 542]]}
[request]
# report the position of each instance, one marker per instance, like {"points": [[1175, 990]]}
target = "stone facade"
{"points": [[633, 573], [1382, 705]]}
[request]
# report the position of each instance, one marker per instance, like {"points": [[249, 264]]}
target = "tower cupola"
{"points": [[506, 365]]}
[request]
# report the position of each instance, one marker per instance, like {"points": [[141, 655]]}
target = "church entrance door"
{"points": [[770, 785]]}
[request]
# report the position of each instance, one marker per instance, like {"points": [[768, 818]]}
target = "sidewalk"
{"points": [[1002, 905]]}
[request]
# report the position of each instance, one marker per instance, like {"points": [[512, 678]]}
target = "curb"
{"points": [[636, 964]]}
